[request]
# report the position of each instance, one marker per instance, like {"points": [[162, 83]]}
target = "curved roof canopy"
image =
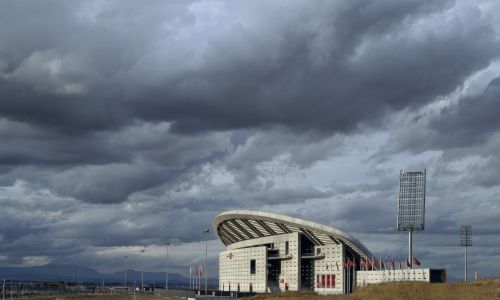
{"points": [[240, 225]]}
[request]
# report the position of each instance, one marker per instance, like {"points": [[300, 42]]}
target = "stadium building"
{"points": [[268, 252]]}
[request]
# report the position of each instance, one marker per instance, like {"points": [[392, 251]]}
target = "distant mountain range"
{"points": [[71, 273]]}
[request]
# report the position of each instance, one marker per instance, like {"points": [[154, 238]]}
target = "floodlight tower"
{"points": [[466, 241], [411, 205]]}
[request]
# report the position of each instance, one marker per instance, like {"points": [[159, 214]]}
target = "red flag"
{"points": [[400, 266], [382, 266], [374, 263], [368, 265], [392, 263], [408, 263], [416, 261]]}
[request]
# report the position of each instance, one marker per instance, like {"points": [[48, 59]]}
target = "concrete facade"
{"points": [[236, 269], [329, 271]]}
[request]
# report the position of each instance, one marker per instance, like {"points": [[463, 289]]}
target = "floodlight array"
{"points": [[466, 235], [411, 205]]}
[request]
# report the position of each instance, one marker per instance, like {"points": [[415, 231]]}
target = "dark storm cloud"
{"points": [[326, 67], [470, 122], [330, 74]]}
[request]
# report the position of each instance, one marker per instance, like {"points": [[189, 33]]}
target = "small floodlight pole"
{"points": [[205, 233], [142, 272], [166, 272], [411, 205], [125, 271], [466, 241]]}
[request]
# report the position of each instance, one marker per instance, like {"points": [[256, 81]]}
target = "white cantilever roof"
{"points": [[239, 225]]}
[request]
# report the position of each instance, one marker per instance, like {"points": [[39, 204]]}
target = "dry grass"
{"points": [[103, 297], [478, 290]]}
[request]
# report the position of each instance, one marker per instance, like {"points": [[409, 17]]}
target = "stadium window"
{"points": [[318, 251], [286, 248], [252, 266]]}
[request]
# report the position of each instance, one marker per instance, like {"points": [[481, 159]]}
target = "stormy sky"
{"points": [[124, 124]]}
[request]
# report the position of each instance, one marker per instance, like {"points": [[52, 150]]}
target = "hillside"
{"points": [[70, 273], [477, 290]]}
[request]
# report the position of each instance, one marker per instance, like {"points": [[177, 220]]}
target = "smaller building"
{"points": [[364, 278]]}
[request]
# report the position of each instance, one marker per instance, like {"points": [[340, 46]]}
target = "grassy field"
{"points": [[477, 290]]}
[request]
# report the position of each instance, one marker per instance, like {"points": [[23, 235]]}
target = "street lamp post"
{"points": [[166, 271], [125, 271], [142, 272], [205, 233]]}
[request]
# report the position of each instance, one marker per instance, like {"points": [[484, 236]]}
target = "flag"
{"points": [[374, 263], [400, 266], [408, 263], [381, 263], [392, 263], [368, 265], [387, 266], [416, 261]]}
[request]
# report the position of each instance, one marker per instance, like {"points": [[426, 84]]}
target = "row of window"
{"points": [[250, 287], [325, 281]]}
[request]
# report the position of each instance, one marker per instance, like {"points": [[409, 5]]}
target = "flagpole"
{"points": [[345, 277], [354, 273], [410, 245], [350, 279]]}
